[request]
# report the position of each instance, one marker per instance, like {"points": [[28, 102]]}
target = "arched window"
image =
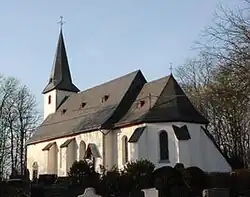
{"points": [[34, 171], [49, 99], [82, 150], [124, 149], [164, 154]]}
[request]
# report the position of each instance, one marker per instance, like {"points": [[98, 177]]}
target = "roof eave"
{"points": [[64, 135], [53, 87]]}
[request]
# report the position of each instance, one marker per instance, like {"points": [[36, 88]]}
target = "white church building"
{"points": [[124, 119]]}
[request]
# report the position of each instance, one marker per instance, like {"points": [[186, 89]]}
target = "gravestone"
{"points": [[151, 192], [216, 192], [89, 192]]}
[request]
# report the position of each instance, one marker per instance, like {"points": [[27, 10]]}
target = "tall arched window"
{"points": [[124, 149], [82, 150], [164, 154]]}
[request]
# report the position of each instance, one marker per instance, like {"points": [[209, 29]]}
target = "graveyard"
{"points": [[137, 179]]}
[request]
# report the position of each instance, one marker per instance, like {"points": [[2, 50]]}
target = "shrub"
{"points": [[241, 179], [197, 180], [164, 176], [82, 173], [173, 181], [218, 180], [139, 173], [47, 179], [110, 182]]}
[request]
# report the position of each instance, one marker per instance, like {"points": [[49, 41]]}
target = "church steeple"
{"points": [[60, 77]]}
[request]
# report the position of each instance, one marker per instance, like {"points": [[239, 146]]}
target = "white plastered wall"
{"points": [[35, 153], [198, 151], [133, 153], [56, 98]]}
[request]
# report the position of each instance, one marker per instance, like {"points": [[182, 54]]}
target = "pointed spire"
{"points": [[60, 77]]}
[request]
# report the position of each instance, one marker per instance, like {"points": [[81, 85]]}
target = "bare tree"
{"points": [[18, 118], [218, 81], [228, 41], [27, 119], [194, 76], [7, 87]]}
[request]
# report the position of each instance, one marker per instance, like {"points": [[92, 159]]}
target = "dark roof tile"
{"points": [[48, 146], [67, 142], [136, 134], [165, 101], [95, 115]]}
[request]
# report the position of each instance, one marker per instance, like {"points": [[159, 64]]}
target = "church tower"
{"points": [[60, 84]]}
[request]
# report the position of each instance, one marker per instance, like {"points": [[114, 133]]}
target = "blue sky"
{"points": [[104, 39]]}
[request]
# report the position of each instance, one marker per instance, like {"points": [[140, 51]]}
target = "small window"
{"points": [[49, 99], [63, 111], [105, 98], [140, 104], [164, 154], [83, 105]]}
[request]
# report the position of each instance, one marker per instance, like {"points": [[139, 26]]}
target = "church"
{"points": [[122, 120]]}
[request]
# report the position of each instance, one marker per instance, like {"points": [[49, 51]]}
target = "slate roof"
{"points": [[136, 134], [67, 142], [71, 118], [60, 77], [163, 101], [181, 133], [48, 146]]}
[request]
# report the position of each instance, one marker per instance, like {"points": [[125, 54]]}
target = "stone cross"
{"points": [[89, 192]]}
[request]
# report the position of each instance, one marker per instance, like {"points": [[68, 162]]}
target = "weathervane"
{"points": [[61, 22]]}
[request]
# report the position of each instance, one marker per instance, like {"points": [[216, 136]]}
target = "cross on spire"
{"points": [[61, 22], [171, 68]]}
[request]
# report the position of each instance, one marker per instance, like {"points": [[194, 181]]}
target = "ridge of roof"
{"points": [[112, 80]]}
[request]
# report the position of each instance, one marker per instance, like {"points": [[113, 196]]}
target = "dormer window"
{"points": [[83, 105], [105, 98], [63, 111], [49, 99], [140, 104]]}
